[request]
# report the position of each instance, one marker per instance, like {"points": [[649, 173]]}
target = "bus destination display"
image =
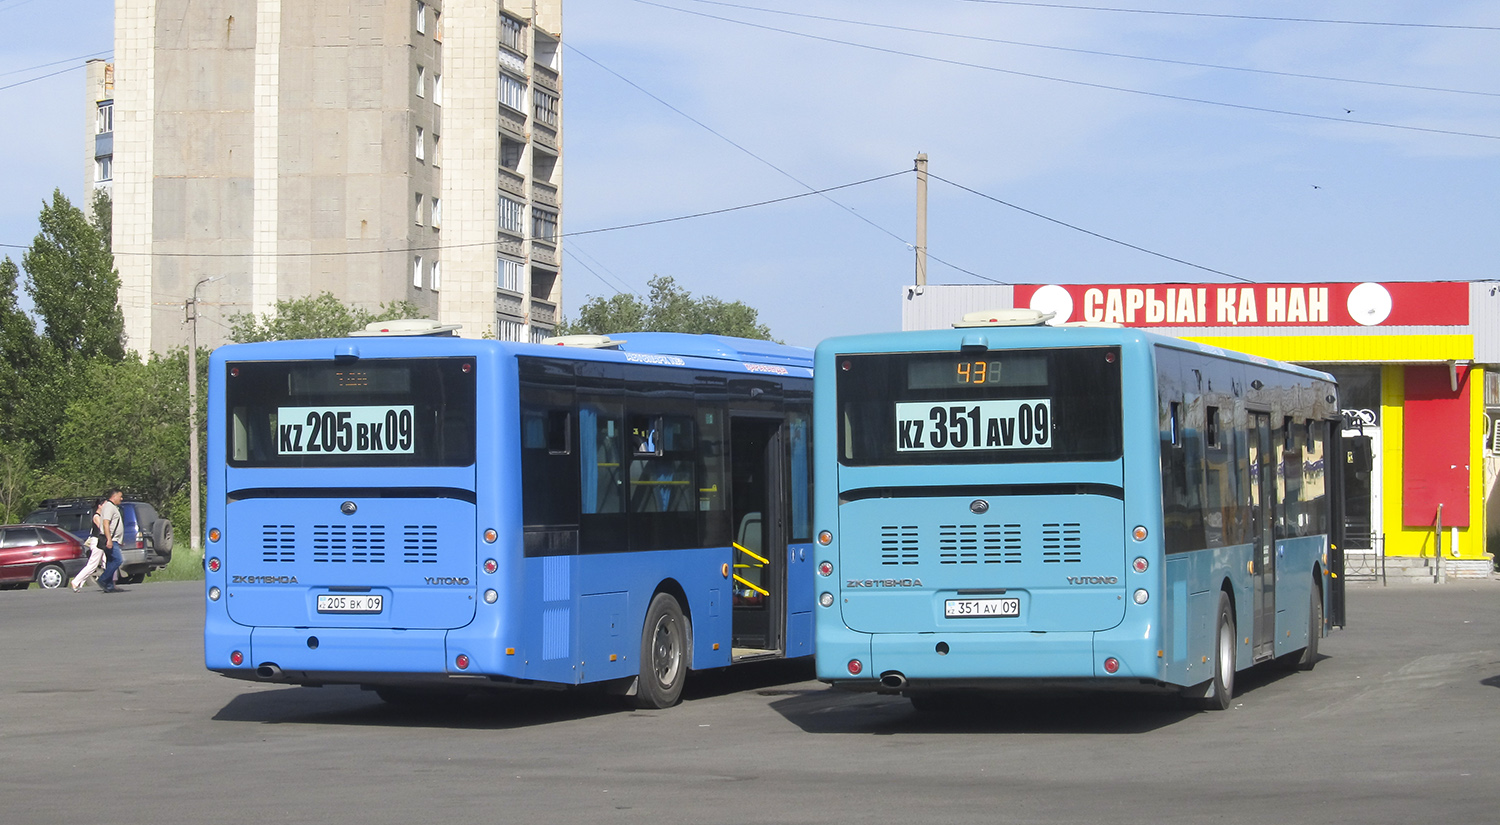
{"points": [[1009, 424], [1012, 370], [364, 430]]}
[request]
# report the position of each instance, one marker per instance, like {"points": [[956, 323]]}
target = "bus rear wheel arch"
{"points": [[1216, 693], [665, 655]]}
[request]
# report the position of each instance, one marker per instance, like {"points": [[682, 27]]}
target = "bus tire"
{"points": [[1309, 655], [1220, 688], [664, 654]]}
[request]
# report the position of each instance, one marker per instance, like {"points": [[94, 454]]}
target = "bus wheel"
{"points": [[1309, 655], [1221, 686], [663, 655]]}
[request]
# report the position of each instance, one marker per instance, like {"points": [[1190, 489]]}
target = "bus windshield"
{"points": [[979, 408], [397, 412]]}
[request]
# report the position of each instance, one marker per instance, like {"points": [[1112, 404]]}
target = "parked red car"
{"points": [[38, 553]]}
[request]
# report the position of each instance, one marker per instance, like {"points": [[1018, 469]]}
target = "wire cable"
{"points": [[1071, 82], [1089, 232], [1233, 16], [1097, 53]]}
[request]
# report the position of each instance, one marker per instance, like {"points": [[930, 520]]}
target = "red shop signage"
{"points": [[1253, 305]]}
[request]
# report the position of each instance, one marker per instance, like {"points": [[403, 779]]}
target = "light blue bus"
{"points": [[421, 514], [1010, 504]]}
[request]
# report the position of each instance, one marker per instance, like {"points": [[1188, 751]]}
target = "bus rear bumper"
{"points": [[894, 663]]}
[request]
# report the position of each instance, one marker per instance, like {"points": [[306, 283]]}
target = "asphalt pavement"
{"points": [[107, 716]]}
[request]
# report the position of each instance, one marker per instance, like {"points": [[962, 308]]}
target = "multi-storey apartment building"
{"points": [[262, 150]]}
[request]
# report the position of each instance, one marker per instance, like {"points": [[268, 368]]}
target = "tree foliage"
{"points": [[670, 308], [73, 283], [318, 316]]}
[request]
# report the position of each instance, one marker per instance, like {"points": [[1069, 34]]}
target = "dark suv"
{"points": [[148, 536]]}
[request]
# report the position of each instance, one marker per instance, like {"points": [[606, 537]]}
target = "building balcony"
{"points": [[512, 123], [543, 313], [545, 193], [544, 136], [512, 182], [543, 252], [547, 78], [509, 303]]}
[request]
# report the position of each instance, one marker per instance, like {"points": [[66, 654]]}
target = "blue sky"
{"points": [[1259, 174]]}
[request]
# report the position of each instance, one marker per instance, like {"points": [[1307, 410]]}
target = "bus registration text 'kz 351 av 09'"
{"points": [[978, 425]]}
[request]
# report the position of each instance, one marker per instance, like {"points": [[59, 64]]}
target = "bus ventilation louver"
{"points": [[278, 543], [1062, 543], [979, 544], [420, 544], [898, 545], [355, 543]]}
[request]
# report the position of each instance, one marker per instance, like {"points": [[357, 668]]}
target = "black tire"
{"points": [[51, 577], [1221, 687], [1309, 655], [161, 536], [664, 654]]}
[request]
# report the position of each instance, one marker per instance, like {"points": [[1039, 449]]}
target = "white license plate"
{"points": [[353, 603], [981, 608]]}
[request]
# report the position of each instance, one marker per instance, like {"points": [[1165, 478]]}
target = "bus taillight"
{"points": [[462, 661], [1140, 565], [825, 568], [236, 658], [855, 666], [490, 565], [1111, 665]]}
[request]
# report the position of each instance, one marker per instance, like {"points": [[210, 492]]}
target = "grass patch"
{"points": [[185, 566]]}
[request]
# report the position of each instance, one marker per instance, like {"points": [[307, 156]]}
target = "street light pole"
{"points": [[195, 540]]}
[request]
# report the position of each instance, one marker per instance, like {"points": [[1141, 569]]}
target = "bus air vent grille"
{"points": [[278, 543], [351, 543], [898, 545], [1062, 542], [979, 544], [420, 543]]}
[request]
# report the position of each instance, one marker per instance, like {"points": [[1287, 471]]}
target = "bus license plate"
{"points": [[360, 603], [981, 608]]}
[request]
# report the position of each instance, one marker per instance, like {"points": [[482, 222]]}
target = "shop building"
{"points": [[1418, 366]]}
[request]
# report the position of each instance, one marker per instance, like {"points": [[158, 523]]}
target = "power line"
{"points": [[41, 77], [1083, 83], [1087, 231], [1235, 16], [440, 247], [1098, 53], [55, 62]]}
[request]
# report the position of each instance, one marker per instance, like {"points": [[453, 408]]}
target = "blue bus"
{"points": [[423, 513], [1011, 504]]}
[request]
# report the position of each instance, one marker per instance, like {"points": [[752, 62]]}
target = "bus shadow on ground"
{"points": [[1035, 711], [485, 710]]}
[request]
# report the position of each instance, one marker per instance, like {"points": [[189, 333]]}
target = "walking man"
{"points": [[109, 513]]}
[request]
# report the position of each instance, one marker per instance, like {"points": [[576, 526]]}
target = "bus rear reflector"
{"points": [[1111, 665], [855, 666], [236, 658], [462, 661]]}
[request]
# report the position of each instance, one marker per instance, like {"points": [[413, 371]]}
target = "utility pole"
{"points": [[922, 219], [195, 540]]}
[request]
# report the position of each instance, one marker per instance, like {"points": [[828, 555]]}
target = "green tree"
{"points": [[73, 283], [670, 308], [319, 316]]}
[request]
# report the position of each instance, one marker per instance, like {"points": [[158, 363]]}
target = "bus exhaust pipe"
{"points": [[268, 672], [895, 680]]}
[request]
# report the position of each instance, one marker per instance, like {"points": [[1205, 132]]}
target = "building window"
{"points": [[103, 168], [437, 26], [437, 89], [546, 106], [421, 82], [512, 330], [543, 224], [437, 150], [418, 211], [510, 154], [512, 34], [106, 121], [512, 275], [512, 93], [512, 216], [416, 272], [421, 17], [436, 215], [437, 275], [420, 147]]}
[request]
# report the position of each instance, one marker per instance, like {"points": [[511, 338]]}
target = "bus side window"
{"points": [[599, 439]]}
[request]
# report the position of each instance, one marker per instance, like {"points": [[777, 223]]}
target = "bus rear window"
{"points": [[982, 408], [398, 412]]}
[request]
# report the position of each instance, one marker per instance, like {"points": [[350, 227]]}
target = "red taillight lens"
{"points": [[855, 666], [213, 565], [462, 661], [825, 569], [236, 658], [1140, 565], [1111, 665], [490, 565]]}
